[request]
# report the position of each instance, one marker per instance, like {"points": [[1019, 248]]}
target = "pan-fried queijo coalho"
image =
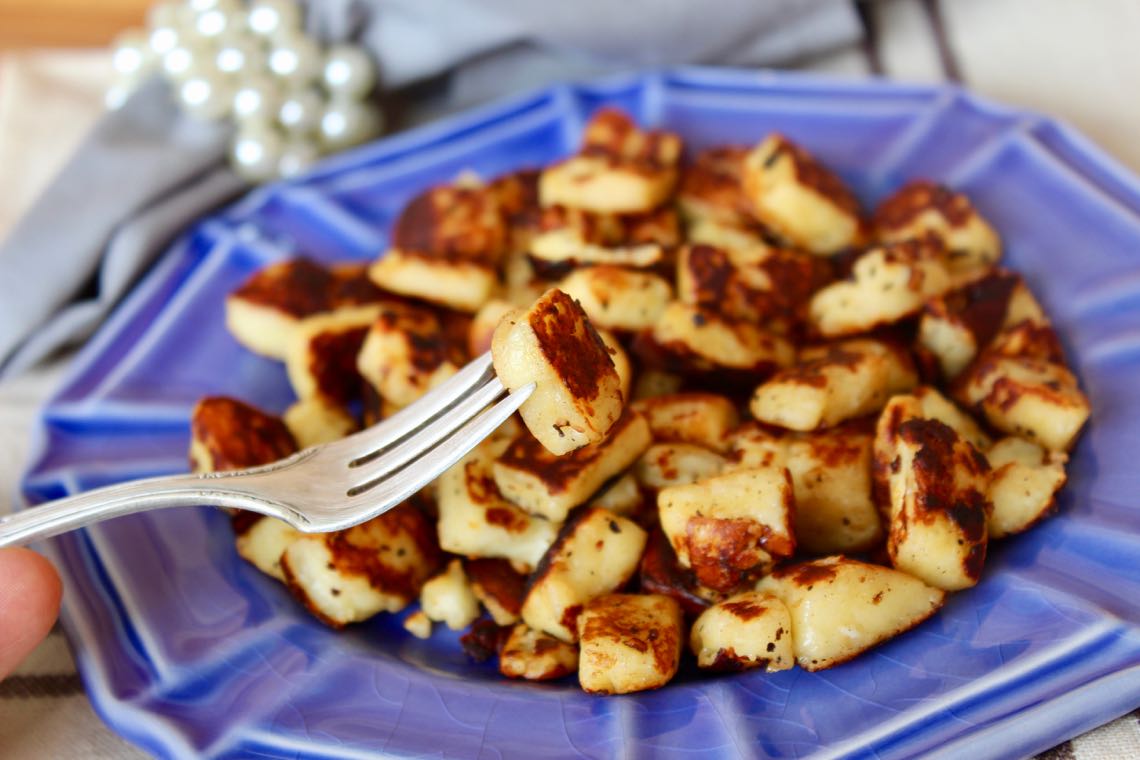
{"points": [[769, 429]]}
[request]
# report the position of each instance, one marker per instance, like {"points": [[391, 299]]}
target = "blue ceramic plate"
{"points": [[191, 653]]}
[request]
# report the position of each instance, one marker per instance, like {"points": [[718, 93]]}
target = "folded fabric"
{"points": [[147, 171]]}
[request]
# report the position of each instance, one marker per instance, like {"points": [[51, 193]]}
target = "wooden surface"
{"points": [[67, 23]]}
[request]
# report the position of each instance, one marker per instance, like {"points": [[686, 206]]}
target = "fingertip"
{"points": [[30, 594]]}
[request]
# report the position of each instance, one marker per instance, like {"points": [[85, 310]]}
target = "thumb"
{"points": [[30, 592]]}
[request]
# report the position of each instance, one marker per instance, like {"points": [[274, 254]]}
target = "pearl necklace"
{"points": [[291, 100]]}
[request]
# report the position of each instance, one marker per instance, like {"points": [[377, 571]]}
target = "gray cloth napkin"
{"points": [[146, 172]]}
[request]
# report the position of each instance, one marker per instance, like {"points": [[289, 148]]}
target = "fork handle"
{"points": [[55, 517]]}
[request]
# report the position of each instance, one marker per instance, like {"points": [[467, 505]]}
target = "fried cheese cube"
{"points": [[408, 350], [957, 326], [628, 643], [377, 566], [461, 222], [596, 552], [498, 587], [744, 242], [1027, 397], [831, 478], [320, 358], [316, 420], [458, 284], [841, 607], [570, 237], [227, 434], [536, 656], [1024, 480], [923, 403], [616, 298], [262, 313], [747, 630], [939, 505], [577, 396], [418, 624], [671, 464], [730, 527], [701, 418], [262, 540], [702, 340], [549, 485], [448, 598], [710, 187], [833, 384], [772, 286], [620, 169], [800, 199], [887, 283], [922, 208], [476, 521]]}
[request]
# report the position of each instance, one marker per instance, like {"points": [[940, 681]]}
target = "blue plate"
{"points": [[189, 652]]}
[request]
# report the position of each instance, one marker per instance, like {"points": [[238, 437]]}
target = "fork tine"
{"points": [[368, 443], [428, 436], [390, 491]]}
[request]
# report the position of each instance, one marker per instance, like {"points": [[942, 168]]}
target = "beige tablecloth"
{"points": [[1073, 60]]}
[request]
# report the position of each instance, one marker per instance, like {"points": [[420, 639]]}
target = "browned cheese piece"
{"points": [[377, 566], [939, 507], [800, 199], [577, 396], [629, 642], [620, 169], [922, 209]]}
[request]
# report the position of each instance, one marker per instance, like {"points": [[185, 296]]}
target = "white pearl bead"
{"points": [[297, 156], [348, 71], [132, 53], [206, 97], [215, 23], [296, 59], [240, 54], [256, 152], [301, 111], [270, 18], [189, 55], [163, 39], [349, 122], [258, 96]]}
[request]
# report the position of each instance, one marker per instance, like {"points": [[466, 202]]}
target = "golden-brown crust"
{"points": [[236, 435], [713, 179], [917, 197], [571, 344], [332, 362], [298, 287], [496, 580], [939, 451], [612, 618], [661, 573], [355, 552], [612, 135], [452, 223], [811, 173], [556, 472]]}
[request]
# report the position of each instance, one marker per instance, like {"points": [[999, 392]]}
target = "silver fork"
{"points": [[323, 488]]}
